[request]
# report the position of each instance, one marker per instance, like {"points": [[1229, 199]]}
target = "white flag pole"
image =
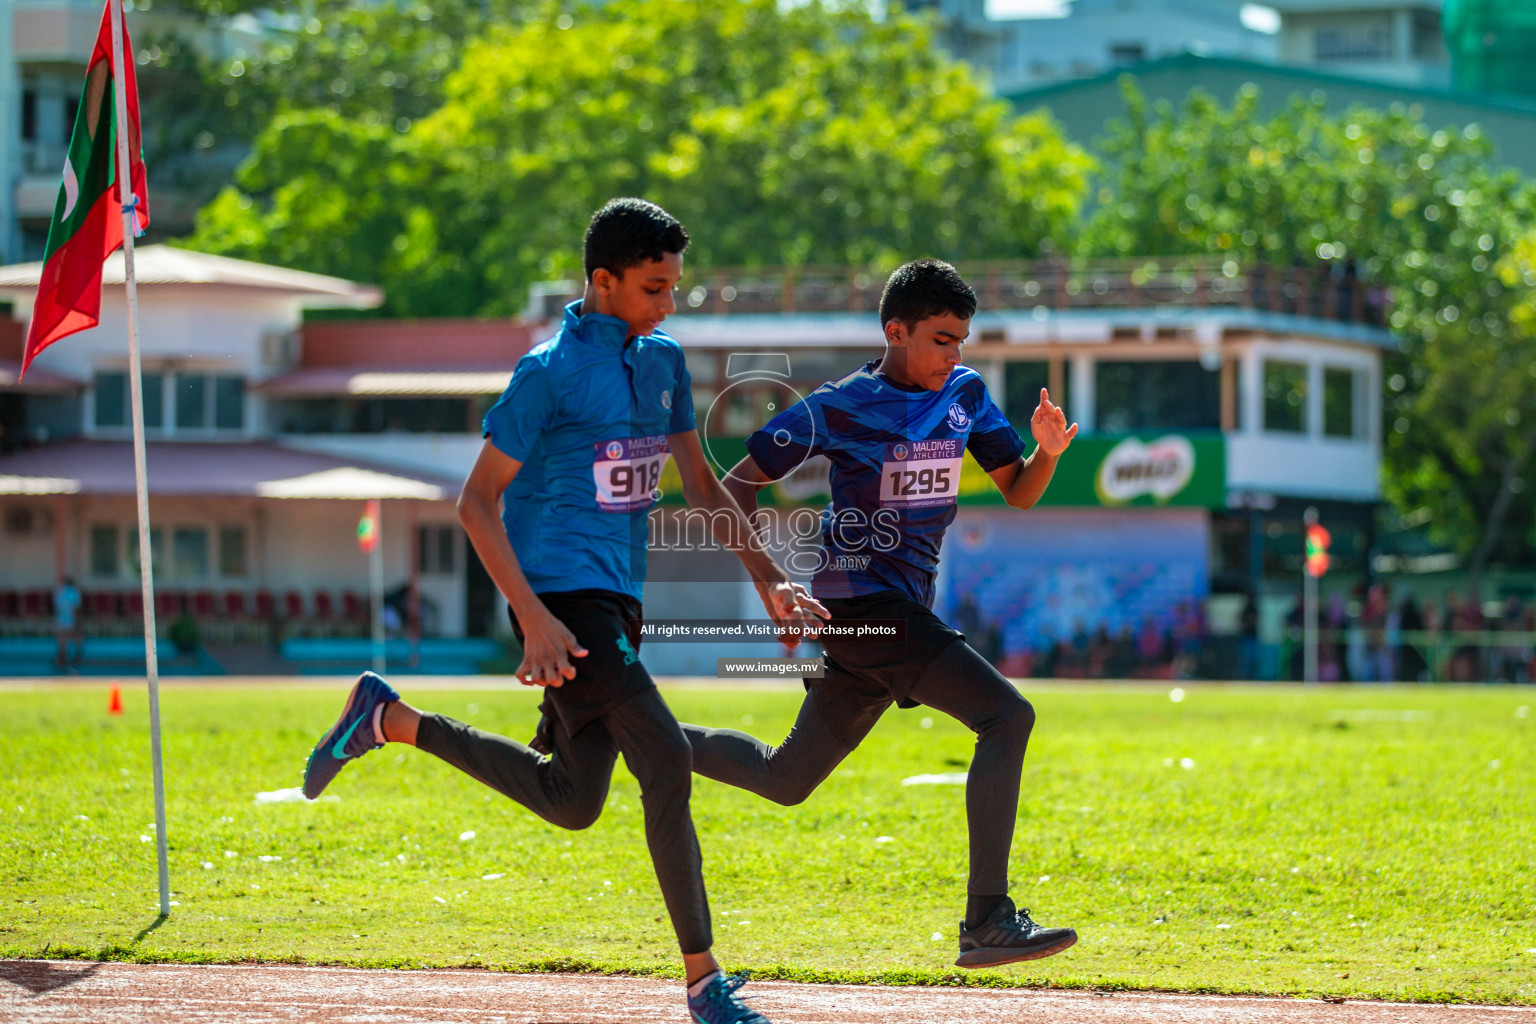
{"points": [[376, 586], [136, 393], [1309, 609]]}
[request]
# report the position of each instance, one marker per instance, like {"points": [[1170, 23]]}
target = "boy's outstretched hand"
{"points": [[1049, 425], [793, 610]]}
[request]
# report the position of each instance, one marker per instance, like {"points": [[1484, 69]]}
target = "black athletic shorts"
{"points": [[884, 667], [607, 624]]}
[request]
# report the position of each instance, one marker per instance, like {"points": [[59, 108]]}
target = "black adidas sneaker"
{"points": [[1008, 936]]}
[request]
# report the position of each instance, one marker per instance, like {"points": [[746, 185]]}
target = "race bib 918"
{"points": [[626, 472], [919, 474]]}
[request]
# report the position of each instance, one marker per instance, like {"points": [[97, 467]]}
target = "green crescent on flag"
{"points": [[87, 224]]}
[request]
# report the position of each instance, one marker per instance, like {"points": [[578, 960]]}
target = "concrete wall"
{"points": [[430, 344], [443, 455], [10, 139], [1041, 50], [203, 324]]}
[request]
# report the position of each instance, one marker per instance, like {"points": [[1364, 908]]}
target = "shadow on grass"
{"points": [[156, 923], [38, 976]]}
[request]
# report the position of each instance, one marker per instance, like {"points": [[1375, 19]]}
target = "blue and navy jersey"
{"points": [[587, 414], [895, 455]]}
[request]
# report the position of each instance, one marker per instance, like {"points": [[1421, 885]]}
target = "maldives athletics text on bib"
{"points": [[921, 474], [627, 471]]}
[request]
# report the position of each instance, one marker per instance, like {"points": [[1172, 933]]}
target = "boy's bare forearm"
{"points": [[1033, 477], [482, 522], [734, 530]]}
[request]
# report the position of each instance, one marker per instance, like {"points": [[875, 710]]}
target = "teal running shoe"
{"points": [[351, 736], [719, 1004]]}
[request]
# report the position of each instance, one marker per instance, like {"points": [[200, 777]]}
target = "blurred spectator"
{"points": [[1332, 644], [1410, 660], [1149, 643], [1391, 639], [66, 623], [1296, 625], [1248, 639], [1528, 627], [1370, 640], [1356, 659], [1122, 656], [1189, 639], [1511, 656], [1467, 661], [968, 616], [1099, 651]]}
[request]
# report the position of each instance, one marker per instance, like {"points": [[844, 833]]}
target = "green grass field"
{"points": [[1364, 842]]}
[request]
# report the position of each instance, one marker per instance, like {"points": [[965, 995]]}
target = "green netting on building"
{"points": [[1492, 44]]}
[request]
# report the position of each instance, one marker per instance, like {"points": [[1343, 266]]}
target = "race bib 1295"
{"points": [[920, 474], [627, 471]]}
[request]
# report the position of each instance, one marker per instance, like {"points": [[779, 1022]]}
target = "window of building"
{"points": [[199, 401], [376, 415], [111, 399], [232, 560], [104, 551], [1285, 397], [1428, 36], [1159, 395], [154, 400], [1340, 393], [189, 553], [436, 550], [29, 115], [1127, 53], [1021, 392], [156, 550], [1354, 42], [71, 111], [229, 403], [191, 401]]}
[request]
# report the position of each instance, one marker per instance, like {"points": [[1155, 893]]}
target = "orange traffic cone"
{"points": [[115, 700]]}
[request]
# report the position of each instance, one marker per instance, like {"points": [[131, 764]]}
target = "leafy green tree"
{"points": [[1417, 210], [214, 73], [779, 134]]}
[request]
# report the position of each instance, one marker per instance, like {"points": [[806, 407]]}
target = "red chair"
{"points": [[266, 605], [133, 604], [293, 605], [102, 604], [203, 605], [169, 604], [352, 607], [37, 604], [324, 607], [234, 605], [10, 612]]}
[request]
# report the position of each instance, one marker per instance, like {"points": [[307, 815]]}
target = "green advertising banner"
{"points": [[1175, 470]]}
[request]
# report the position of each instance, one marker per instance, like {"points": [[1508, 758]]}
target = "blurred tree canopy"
{"points": [[778, 134], [217, 72], [1416, 210]]}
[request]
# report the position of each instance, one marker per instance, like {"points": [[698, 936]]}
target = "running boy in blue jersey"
{"points": [[574, 452], [895, 432]]}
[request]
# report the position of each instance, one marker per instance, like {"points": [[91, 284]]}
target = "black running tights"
{"points": [[569, 788], [835, 718]]}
